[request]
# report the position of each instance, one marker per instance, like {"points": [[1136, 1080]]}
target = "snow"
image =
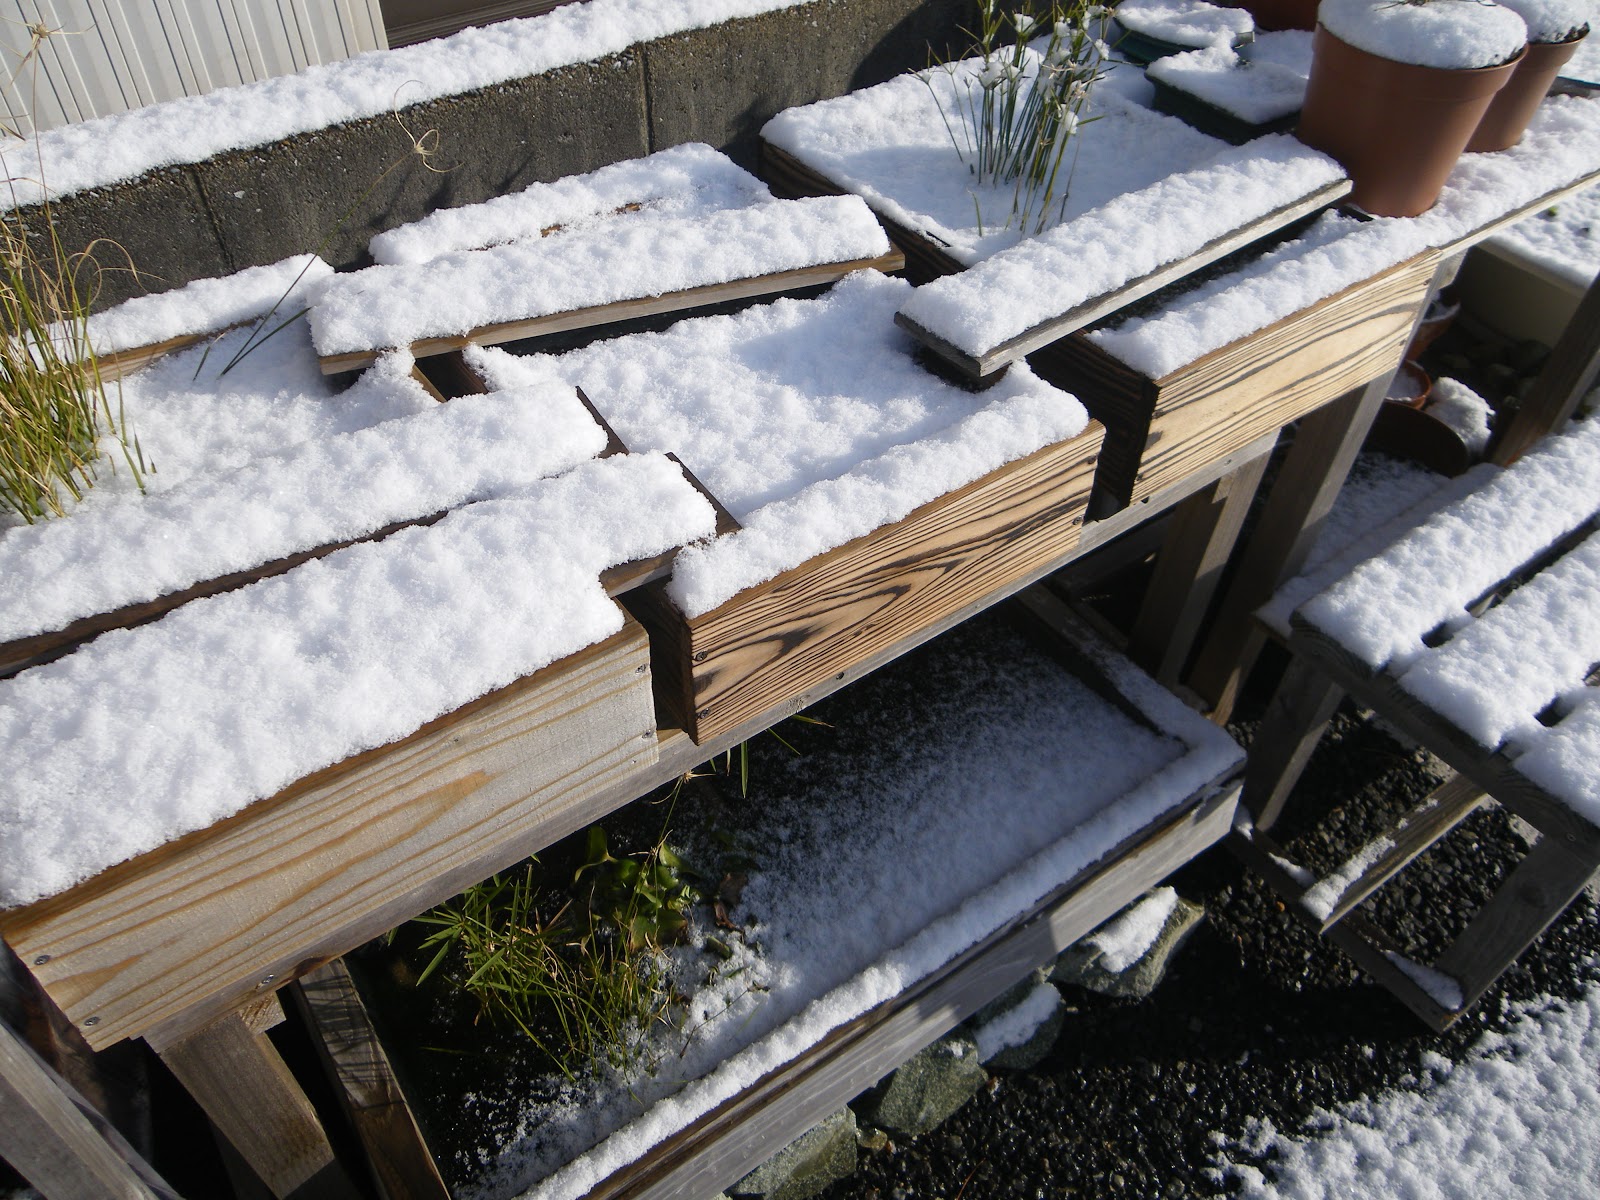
{"points": [[890, 145], [1519, 1117], [1321, 896], [1017, 1025], [632, 257], [1552, 20], [1123, 240], [1126, 938], [688, 180], [1466, 413], [978, 760], [1260, 82], [207, 305], [111, 149], [315, 494], [1451, 34], [146, 734], [853, 434], [1584, 66], [1185, 22], [1563, 240]]}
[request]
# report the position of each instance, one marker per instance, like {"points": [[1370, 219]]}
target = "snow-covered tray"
{"points": [[681, 229], [1238, 94], [897, 884], [876, 502], [202, 801]]}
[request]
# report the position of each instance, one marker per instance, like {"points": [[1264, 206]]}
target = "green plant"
{"points": [[1017, 108]]}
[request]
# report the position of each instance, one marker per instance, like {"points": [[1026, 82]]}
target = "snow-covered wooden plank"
{"points": [[635, 264], [1161, 429]]}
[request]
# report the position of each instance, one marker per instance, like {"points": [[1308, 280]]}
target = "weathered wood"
{"points": [[59, 1143], [227, 914], [1449, 804], [402, 1166], [1189, 570], [124, 362], [979, 366], [247, 1092], [780, 637], [1533, 895], [427, 384], [625, 310], [1289, 731], [742, 1132], [1567, 376]]}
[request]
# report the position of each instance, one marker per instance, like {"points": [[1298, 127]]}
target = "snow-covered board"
{"points": [[876, 502]]}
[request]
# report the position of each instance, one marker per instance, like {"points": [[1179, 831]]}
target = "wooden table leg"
{"points": [[1567, 377], [239, 1079], [1300, 710], [1314, 470], [1198, 544]]}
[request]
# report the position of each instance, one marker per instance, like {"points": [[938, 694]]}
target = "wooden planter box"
{"points": [[771, 643], [205, 923], [1158, 431]]}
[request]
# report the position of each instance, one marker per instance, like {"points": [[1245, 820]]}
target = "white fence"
{"points": [[106, 56]]}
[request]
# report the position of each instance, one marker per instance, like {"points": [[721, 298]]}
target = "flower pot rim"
{"points": [[1459, 71]]}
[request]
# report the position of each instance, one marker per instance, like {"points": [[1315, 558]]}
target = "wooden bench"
{"points": [[1477, 633]]}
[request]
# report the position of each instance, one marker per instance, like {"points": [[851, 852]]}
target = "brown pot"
{"points": [[1397, 128], [1514, 105], [1272, 15], [1410, 386]]}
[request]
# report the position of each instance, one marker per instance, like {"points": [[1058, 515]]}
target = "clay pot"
{"points": [[1411, 386], [1514, 105], [1438, 317], [1397, 128]]}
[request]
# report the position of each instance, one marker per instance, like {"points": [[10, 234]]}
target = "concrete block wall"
{"points": [[332, 189]]}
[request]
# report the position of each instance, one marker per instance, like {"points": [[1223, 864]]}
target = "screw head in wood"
{"points": [[92, 1021], [266, 981], [41, 959]]}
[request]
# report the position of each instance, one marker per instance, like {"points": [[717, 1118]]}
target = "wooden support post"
{"points": [[242, 1083], [401, 1163], [1567, 377], [1300, 710], [62, 1146], [1198, 543], [1313, 472]]}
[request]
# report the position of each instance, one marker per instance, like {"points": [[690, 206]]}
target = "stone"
{"points": [[1029, 1053], [1079, 964], [929, 1087], [824, 1154]]}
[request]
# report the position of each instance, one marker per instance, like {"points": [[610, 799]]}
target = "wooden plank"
{"points": [[230, 913], [62, 1147], [402, 1166], [1449, 804], [125, 362], [1189, 570], [739, 1134], [1532, 896], [625, 310], [1565, 379], [247, 1092], [810, 622], [1510, 217], [979, 366], [1299, 712]]}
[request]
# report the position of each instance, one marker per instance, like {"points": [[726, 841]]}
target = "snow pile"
{"points": [[808, 419], [114, 148], [978, 761], [1017, 1025], [147, 734], [1127, 938], [1185, 22], [1466, 413], [646, 254], [1450, 34], [1122, 241], [207, 305], [1563, 241], [1261, 82], [687, 180], [1552, 20], [1320, 897], [316, 494], [890, 145], [1520, 1117]]}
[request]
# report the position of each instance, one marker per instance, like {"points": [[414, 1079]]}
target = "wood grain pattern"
{"points": [[401, 1164], [624, 310], [221, 916], [986, 363], [782, 636]]}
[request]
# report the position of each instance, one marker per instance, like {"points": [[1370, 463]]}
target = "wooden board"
{"points": [[776, 639], [1159, 431], [625, 310], [996, 358], [216, 918]]}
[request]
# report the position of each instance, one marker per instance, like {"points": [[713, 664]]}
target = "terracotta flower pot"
{"points": [[1396, 128], [1411, 386], [1514, 105]]}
